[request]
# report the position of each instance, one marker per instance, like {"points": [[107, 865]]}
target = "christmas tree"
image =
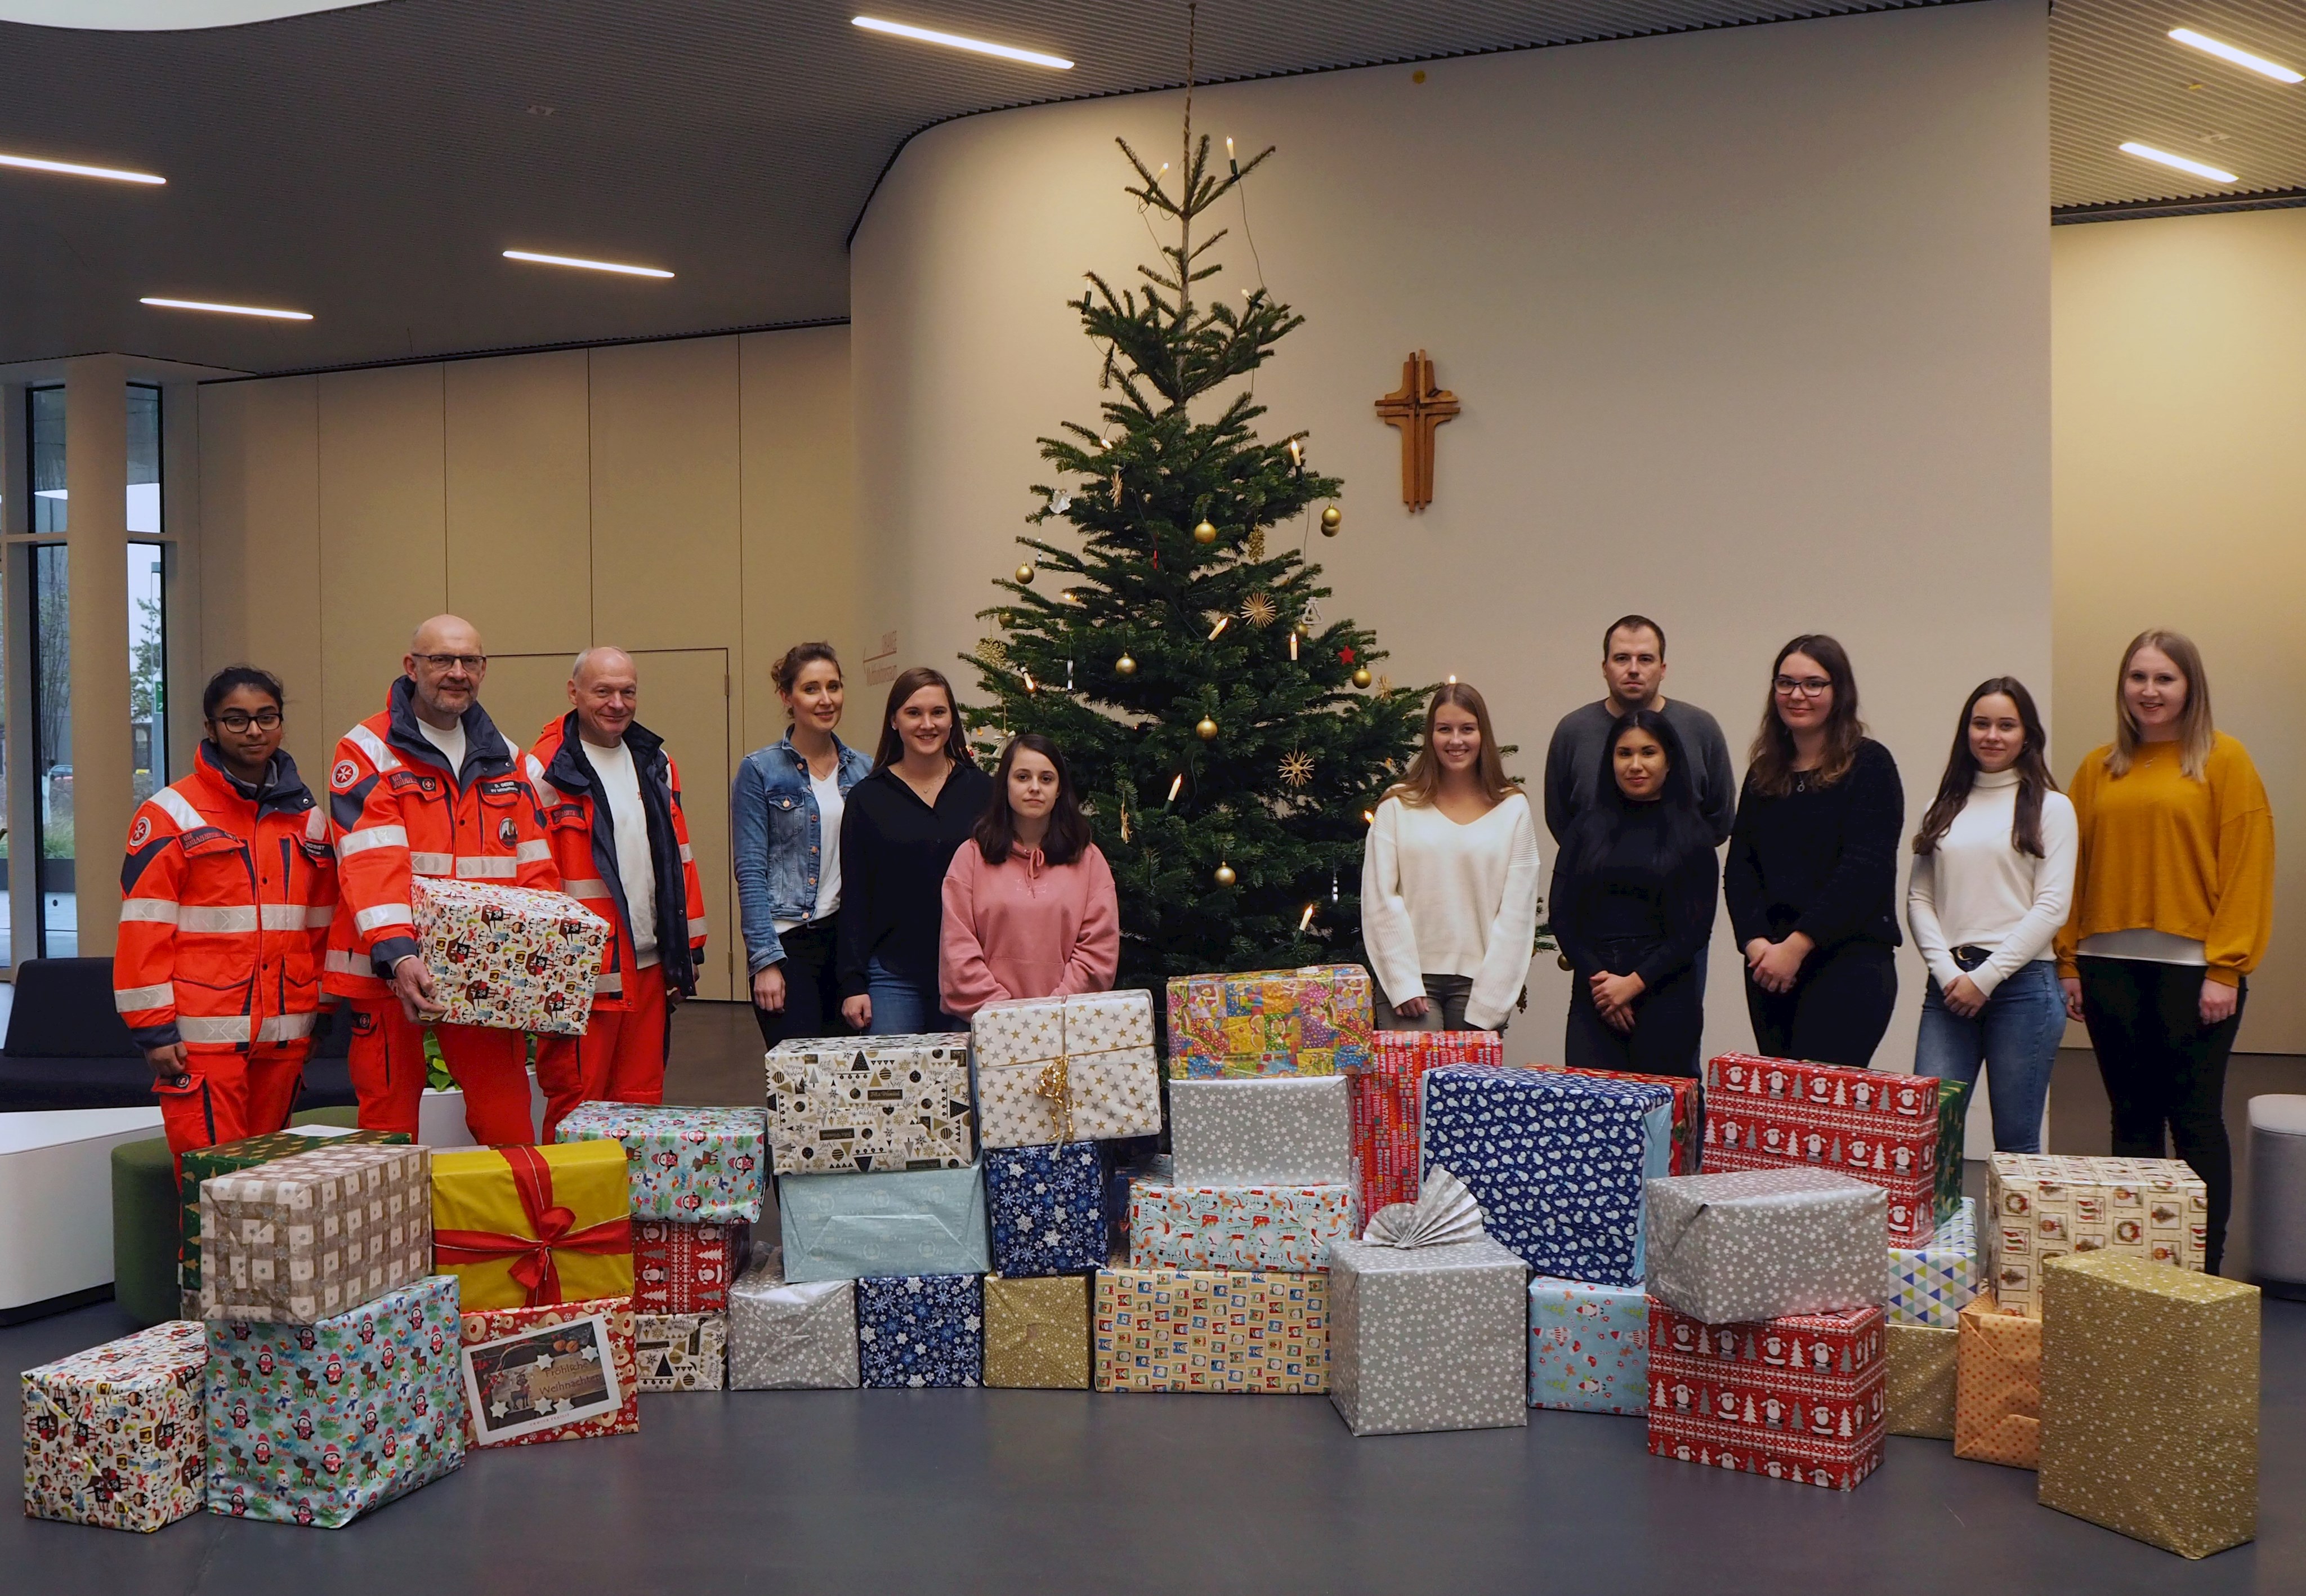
{"points": [[1229, 740]]}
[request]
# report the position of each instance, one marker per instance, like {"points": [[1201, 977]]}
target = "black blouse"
{"points": [[1822, 860], [1633, 914], [894, 852]]}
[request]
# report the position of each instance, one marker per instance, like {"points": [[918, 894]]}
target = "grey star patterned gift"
{"points": [[790, 1337], [1428, 1337], [1273, 1130], [1764, 1243]]}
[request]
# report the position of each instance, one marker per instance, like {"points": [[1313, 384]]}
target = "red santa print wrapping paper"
{"points": [[1385, 1098], [509, 958], [686, 1268], [1797, 1398], [1870, 1125]]}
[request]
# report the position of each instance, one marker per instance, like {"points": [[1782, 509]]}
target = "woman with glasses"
{"points": [[226, 898], [1812, 877]]}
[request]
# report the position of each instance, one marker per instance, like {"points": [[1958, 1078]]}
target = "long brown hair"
{"points": [[1769, 762], [1423, 782], [2032, 768], [2196, 730], [996, 831], [787, 670], [907, 683]]}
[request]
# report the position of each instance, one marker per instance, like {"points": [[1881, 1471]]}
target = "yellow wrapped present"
{"points": [[1997, 1411], [520, 1228], [1920, 1399], [1037, 1333]]}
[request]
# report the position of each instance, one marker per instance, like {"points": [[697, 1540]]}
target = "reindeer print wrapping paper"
{"points": [[1309, 1021], [1283, 1131], [1069, 1068], [2044, 1205], [1798, 1397], [509, 958], [870, 1105], [1286, 1228], [114, 1436], [311, 1236], [1589, 1347], [317, 1424], [1726, 1248], [698, 1165], [1426, 1338]]}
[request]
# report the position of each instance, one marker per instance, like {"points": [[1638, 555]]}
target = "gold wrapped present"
{"points": [[1920, 1399], [2149, 1402], [1997, 1407], [2045, 1206], [1037, 1333], [521, 1227]]}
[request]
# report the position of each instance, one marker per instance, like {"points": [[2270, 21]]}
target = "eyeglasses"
{"points": [[232, 720], [446, 661], [1807, 687]]}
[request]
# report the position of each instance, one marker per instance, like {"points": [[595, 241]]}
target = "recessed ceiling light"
{"points": [[956, 41], [2226, 52], [201, 304], [2148, 152], [630, 272], [71, 170]]}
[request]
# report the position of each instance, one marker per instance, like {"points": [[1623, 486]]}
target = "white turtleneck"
{"points": [[1978, 889]]}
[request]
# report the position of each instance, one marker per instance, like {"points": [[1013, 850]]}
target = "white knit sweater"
{"points": [[1978, 889], [1448, 900]]}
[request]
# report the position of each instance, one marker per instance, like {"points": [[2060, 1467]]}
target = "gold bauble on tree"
{"points": [[1330, 518], [1025, 575], [1360, 676], [1125, 666], [1205, 533], [1224, 875], [1206, 730]]}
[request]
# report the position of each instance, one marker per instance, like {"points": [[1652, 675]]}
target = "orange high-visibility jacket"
{"points": [[227, 897], [397, 811], [576, 822]]}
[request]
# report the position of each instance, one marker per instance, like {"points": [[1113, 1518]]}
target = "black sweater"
{"points": [[1820, 861], [1665, 907], [894, 852]]}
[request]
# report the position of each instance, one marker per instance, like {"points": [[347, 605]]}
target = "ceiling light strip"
{"points": [[630, 272], [958, 42], [69, 169], [2148, 152], [2227, 52], [201, 304]]}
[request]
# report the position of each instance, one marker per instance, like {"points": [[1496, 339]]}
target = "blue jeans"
{"points": [[2015, 1036], [904, 1007]]}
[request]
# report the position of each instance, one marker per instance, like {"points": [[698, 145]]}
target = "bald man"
{"points": [[611, 800], [429, 787]]}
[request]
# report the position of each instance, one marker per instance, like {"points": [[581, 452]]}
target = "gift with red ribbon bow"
{"points": [[520, 1228]]}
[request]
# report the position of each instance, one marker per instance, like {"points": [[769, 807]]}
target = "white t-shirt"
{"points": [[826, 790], [450, 742], [620, 784]]}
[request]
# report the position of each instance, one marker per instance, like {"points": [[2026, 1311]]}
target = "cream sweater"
{"points": [[1978, 890], [1452, 899]]}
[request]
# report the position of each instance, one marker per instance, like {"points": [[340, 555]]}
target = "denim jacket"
{"points": [[775, 836]]}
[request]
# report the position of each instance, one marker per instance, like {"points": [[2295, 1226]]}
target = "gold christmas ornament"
{"points": [[1206, 730], [1330, 518], [1360, 676], [1125, 666], [1385, 684], [1025, 575], [993, 651], [1297, 767], [1258, 611], [1225, 876], [1205, 533], [1256, 544]]}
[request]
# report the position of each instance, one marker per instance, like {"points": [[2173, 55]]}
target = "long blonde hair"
{"points": [[2196, 730], [1423, 782]]}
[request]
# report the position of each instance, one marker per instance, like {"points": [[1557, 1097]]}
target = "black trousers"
{"points": [[812, 991], [1838, 1009], [2163, 1068], [1667, 1018]]}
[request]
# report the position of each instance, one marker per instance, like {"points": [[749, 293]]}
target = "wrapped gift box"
{"points": [[555, 1373], [525, 1227], [914, 1222], [306, 1237], [1424, 1338], [1795, 1397], [1921, 1388], [918, 1330], [509, 957], [1067, 1069], [1729, 1248], [1286, 1228], [1688, 1111], [197, 1166], [1309, 1021], [1589, 1347], [698, 1165], [317, 1424], [680, 1351], [1931, 1284], [870, 1104], [1872, 1126], [789, 1336], [1208, 1331], [114, 1436], [1047, 1207], [1997, 1410], [2150, 1402], [1283, 1132], [1385, 1098], [1953, 1123], [1556, 1161], [686, 1268], [2045, 1206], [1037, 1333]]}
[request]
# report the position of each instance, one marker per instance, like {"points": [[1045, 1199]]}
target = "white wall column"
{"points": [[96, 475]]}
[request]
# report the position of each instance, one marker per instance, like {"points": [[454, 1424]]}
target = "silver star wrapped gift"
{"points": [[1762, 1244], [790, 1337], [1268, 1131]]}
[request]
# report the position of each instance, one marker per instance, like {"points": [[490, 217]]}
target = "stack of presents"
{"points": [[1773, 1268]]}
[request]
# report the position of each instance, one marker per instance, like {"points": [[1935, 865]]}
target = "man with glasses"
{"points": [[429, 787]]}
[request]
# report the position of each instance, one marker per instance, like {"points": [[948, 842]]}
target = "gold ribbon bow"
{"points": [[1056, 1081]]}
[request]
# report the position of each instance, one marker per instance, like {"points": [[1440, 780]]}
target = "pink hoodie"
{"points": [[1026, 929]]}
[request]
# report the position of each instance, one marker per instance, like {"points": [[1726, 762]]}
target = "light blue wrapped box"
{"points": [[902, 1222], [1589, 1347], [1929, 1286]]}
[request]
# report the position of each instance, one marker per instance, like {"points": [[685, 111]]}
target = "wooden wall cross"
{"points": [[1417, 407]]}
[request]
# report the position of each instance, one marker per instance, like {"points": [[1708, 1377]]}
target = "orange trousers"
{"points": [[620, 1056], [491, 1066], [228, 1093]]}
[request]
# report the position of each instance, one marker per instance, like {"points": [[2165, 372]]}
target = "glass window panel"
{"points": [[52, 750], [45, 412], [148, 670], [143, 459]]}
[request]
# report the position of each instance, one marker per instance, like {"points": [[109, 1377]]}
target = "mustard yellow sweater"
{"points": [[2162, 851]]}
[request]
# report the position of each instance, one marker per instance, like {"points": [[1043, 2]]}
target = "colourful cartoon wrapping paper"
{"points": [[306, 1237], [555, 1373], [698, 1165], [523, 1227], [317, 1424], [1286, 1228], [1872, 1126], [870, 1105], [1048, 1208], [908, 1222], [1385, 1098], [1922, 1379], [1427, 1338], [1798, 1397], [1216, 1331], [686, 1268], [681, 1352], [2150, 1400], [921, 1330], [1037, 1333], [1688, 1111], [1931, 1284], [1066, 1069], [1589, 1347], [1309, 1021], [509, 958], [1285, 1131], [197, 1166], [1997, 1409], [114, 1436], [2045, 1206], [789, 1336]]}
